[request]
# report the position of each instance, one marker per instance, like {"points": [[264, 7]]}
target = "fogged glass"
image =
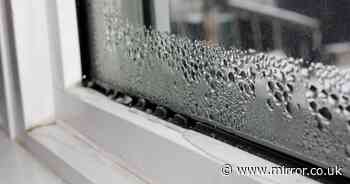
{"points": [[252, 67]]}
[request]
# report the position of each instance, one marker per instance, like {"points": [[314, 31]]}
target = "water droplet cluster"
{"points": [[275, 101]]}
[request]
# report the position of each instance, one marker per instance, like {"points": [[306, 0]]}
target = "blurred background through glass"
{"points": [[315, 30]]}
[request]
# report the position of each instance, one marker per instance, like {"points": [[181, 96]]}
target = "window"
{"points": [[182, 68], [231, 65]]}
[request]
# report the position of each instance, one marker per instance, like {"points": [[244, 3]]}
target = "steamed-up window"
{"points": [[270, 71]]}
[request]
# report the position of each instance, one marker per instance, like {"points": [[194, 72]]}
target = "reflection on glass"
{"points": [[316, 30]]}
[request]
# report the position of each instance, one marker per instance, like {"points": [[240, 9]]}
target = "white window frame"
{"points": [[149, 147]]}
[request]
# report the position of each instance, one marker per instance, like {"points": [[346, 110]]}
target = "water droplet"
{"points": [[339, 109], [270, 86], [289, 88], [279, 86], [323, 94], [333, 99], [286, 96], [241, 86], [278, 98], [219, 75], [313, 106], [325, 113], [344, 100], [313, 89], [231, 77], [269, 104], [289, 110], [321, 122], [242, 74], [312, 92]]}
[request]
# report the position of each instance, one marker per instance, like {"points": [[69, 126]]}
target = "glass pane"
{"points": [[266, 70]]}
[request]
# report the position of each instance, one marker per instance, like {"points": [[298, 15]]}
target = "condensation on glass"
{"points": [[256, 68]]}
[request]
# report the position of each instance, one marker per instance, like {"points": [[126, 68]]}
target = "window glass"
{"points": [[271, 71]]}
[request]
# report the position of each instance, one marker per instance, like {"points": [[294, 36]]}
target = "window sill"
{"points": [[152, 149]]}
